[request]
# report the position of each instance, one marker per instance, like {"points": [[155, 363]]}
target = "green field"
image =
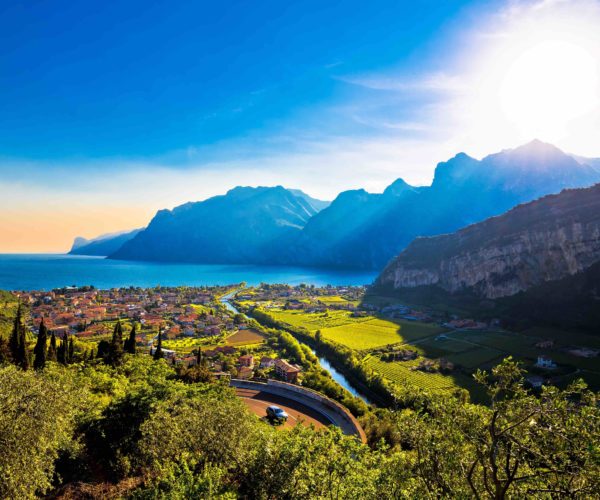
{"points": [[314, 321], [184, 345], [337, 300], [362, 335], [566, 338], [357, 333], [238, 339], [468, 350], [400, 372]]}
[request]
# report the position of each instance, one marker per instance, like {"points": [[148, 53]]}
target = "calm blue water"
{"points": [[44, 272]]}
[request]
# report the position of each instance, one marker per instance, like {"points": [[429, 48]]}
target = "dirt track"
{"points": [[257, 402]]}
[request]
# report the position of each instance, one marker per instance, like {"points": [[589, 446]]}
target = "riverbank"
{"points": [[325, 363]]}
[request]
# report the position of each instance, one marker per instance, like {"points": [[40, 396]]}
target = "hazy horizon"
{"points": [[112, 115]]}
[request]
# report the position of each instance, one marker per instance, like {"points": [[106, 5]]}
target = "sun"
{"points": [[529, 73], [548, 86]]}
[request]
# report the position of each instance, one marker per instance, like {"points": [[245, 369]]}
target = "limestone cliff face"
{"points": [[541, 241]]}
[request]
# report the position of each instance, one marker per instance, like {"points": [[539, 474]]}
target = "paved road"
{"points": [[257, 402]]}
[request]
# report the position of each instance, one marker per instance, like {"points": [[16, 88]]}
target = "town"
{"points": [[195, 325]]}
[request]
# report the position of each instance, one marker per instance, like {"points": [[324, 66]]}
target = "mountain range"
{"points": [[366, 230], [239, 227], [358, 229], [540, 259], [103, 245]]}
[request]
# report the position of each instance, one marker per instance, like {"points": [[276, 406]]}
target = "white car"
{"points": [[276, 413]]}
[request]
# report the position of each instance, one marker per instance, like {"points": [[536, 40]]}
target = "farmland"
{"points": [[401, 372], [379, 335], [467, 350], [245, 337], [362, 335], [238, 339], [357, 333]]}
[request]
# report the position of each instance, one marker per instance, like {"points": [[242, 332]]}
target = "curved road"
{"points": [[257, 402]]}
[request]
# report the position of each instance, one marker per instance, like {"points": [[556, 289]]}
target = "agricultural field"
{"points": [[336, 300], [563, 337], [314, 321], [362, 335], [468, 350], [400, 372], [459, 352], [245, 337], [187, 345], [238, 339], [359, 333], [476, 357]]}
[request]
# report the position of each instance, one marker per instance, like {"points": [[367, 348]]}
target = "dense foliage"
{"points": [[135, 430], [122, 425]]}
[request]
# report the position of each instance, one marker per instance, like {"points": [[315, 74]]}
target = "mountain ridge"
{"points": [[359, 229], [238, 227], [536, 242], [102, 245]]}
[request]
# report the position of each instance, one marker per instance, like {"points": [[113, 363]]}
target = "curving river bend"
{"points": [[325, 364]]}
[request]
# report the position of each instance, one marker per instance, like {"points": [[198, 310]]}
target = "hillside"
{"points": [[102, 245], [534, 244], [239, 227]]}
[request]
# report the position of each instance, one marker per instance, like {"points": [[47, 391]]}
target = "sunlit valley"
{"points": [[300, 250]]}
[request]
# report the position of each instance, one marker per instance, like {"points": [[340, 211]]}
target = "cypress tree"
{"points": [[39, 350], [103, 350], [116, 346], [130, 342], [71, 351], [62, 351], [51, 356], [23, 357], [158, 353], [15, 337]]}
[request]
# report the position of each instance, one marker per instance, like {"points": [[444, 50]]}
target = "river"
{"points": [[325, 364]]}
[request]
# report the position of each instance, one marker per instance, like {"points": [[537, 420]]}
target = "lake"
{"points": [[48, 271]]}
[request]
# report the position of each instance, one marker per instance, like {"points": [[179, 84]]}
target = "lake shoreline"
{"points": [[48, 271]]}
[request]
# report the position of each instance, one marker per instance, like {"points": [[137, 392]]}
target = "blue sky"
{"points": [[146, 79], [114, 110]]}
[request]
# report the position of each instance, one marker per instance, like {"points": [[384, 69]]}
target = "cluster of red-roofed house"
{"points": [[87, 312]]}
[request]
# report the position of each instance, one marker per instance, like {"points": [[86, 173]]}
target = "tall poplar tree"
{"points": [[39, 362], [62, 352]]}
